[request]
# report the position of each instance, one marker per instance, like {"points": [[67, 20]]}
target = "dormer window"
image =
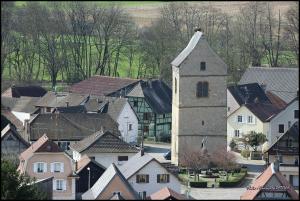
{"points": [[203, 66]]}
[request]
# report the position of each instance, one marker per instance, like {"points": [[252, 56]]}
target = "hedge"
{"points": [[231, 183], [198, 184]]}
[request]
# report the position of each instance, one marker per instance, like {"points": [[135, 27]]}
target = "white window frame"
{"points": [[43, 166], [59, 183], [238, 132], [61, 167], [237, 119]]}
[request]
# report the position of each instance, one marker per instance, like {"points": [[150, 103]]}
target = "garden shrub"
{"points": [[198, 184], [245, 153]]}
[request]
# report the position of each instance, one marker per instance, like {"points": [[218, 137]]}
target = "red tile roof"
{"points": [[278, 102], [43, 144], [166, 194], [263, 179], [101, 85]]}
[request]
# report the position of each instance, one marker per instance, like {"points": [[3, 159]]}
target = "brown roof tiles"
{"points": [[101, 85], [166, 194]]}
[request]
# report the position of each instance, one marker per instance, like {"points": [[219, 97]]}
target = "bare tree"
{"points": [[195, 160], [292, 29]]}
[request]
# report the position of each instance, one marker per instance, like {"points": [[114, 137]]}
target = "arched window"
{"points": [[202, 89]]}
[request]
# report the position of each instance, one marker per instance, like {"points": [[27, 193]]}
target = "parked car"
{"points": [[167, 155]]}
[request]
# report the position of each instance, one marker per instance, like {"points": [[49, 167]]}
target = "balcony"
{"points": [[288, 167]]}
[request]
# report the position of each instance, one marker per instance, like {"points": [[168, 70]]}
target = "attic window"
{"points": [[203, 66]]}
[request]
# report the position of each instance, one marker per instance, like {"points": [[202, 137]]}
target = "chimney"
{"points": [[198, 29], [276, 165], [142, 151], [150, 83], [75, 166], [263, 86]]}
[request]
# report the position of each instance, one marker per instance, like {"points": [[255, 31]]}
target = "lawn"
{"points": [[212, 181]]}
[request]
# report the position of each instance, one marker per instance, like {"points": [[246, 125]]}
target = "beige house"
{"points": [[44, 159], [248, 118], [111, 186], [198, 99]]}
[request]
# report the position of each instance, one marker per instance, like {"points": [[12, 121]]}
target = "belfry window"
{"points": [[202, 89]]}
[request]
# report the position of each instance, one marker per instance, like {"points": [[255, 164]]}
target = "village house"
{"points": [[12, 143], [238, 95], [198, 99], [29, 91], [283, 82], [22, 108], [147, 175], [283, 120], [44, 159], [166, 194], [152, 102], [98, 85], [252, 117], [121, 111], [52, 100], [67, 128], [104, 147], [286, 150], [270, 185], [112, 185], [88, 171], [262, 116]]}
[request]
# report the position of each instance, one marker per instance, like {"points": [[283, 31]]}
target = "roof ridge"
{"points": [[279, 68], [114, 77]]}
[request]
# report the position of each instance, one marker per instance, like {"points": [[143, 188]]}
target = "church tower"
{"points": [[198, 99]]}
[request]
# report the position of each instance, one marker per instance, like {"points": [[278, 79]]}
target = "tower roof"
{"points": [[189, 48]]}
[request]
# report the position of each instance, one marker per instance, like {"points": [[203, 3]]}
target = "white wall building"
{"points": [[280, 123], [105, 148], [121, 111], [146, 175]]}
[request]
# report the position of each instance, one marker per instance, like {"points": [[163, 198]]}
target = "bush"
{"points": [[232, 145], [198, 184], [245, 153], [225, 184]]}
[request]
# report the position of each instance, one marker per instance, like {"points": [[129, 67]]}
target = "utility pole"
{"points": [[89, 184]]}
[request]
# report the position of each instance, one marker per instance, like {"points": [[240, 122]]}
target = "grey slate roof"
{"points": [[30, 91], [11, 128], [283, 82], [70, 126], [115, 107], [264, 111], [134, 164], [103, 142], [22, 104], [60, 99], [72, 109], [248, 93], [156, 93], [110, 173], [189, 48]]}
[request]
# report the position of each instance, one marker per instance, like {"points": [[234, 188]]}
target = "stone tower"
{"points": [[199, 99]]}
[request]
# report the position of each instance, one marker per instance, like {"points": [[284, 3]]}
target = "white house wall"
{"points": [[22, 116], [245, 128], [152, 169], [232, 104], [128, 136], [106, 159], [282, 118]]}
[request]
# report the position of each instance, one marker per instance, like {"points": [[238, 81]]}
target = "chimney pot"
{"points": [[198, 29], [142, 151]]}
